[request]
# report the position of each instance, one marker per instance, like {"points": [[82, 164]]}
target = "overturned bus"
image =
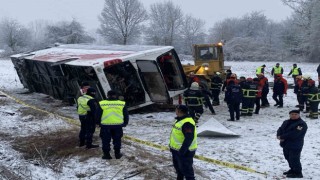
{"points": [[141, 74]]}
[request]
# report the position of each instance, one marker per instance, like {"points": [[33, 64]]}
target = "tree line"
{"points": [[251, 37]]}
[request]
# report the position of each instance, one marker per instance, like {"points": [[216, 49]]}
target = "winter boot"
{"points": [[295, 175], [287, 172], [118, 154], [106, 155], [82, 143], [91, 146]]}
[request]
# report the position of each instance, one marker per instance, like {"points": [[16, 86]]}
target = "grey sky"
{"points": [[87, 11]]}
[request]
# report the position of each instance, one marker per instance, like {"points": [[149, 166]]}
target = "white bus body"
{"points": [[141, 74]]}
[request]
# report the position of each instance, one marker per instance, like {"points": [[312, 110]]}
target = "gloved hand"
{"points": [[183, 152]]}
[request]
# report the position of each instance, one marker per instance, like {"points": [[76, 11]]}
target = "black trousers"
{"points": [[247, 105], [215, 96], [183, 165], [314, 109], [106, 134], [195, 112], [257, 102], [264, 99], [278, 98], [293, 158], [234, 108], [87, 129]]}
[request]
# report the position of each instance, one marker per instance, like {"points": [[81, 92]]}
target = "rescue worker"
{"points": [[242, 81], [114, 117], [207, 102], [216, 83], [263, 82], [233, 77], [291, 135], [84, 87], [277, 69], [298, 91], [183, 143], [228, 74], [192, 78], [88, 110], [305, 91], [249, 91], [280, 87], [194, 98], [234, 98], [260, 70], [258, 97], [295, 71], [314, 99]]}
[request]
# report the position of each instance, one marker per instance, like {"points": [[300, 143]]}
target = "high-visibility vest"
{"points": [[112, 112], [177, 137], [83, 107], [259, 70], [277, 70], [295, 71]]}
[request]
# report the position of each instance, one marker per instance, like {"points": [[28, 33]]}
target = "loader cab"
{"points": [[210, 57]]}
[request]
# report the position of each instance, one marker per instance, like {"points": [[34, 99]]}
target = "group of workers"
{"points": [[112, 115]]}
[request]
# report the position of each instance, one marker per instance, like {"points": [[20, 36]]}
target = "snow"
{"points": [[256, 148]]}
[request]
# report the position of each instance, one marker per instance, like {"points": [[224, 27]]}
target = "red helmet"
{"points": [[249, 79]]}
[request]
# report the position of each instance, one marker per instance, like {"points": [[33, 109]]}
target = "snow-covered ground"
{"points": [[256, 148]]}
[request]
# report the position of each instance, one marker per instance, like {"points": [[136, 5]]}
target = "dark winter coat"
{"points": [[280, 86], [318, 70], [193, 97], [234, 94], [292, 132]]}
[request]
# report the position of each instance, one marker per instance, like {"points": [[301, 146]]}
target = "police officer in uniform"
{"points": [[114, 116], [183, 143], [234, 98], [88, 110], [260, 70], [295, 71], [291, 135], [277, 69]]}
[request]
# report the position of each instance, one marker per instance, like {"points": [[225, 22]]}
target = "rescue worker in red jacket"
{"points": [[258, 97], [298, 92], [314, 99], [305, 93], [280, 87], [249, 91], [263, 82]]}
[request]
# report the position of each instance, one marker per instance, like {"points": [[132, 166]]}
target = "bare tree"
{"points": [[165, 22], [121, 19], [13, 34], [68, 33], [38, 29], [192, 32]]}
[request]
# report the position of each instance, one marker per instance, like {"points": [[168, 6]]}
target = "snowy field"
{"points": [[256, 148]]}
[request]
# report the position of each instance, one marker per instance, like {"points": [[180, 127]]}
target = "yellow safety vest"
{"points": [[295, 71], [83, 107], [277, 70], [177, 137], [259, 70], [112, 112]]}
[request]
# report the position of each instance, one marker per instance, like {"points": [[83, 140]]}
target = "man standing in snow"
{"points": [[183, 143], [88, 110], [291, 135], [280, 87], [295, 71], [114, 116]]}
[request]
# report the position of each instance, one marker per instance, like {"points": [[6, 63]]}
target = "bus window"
{"points": [[172, 73], [122, 77], [153, 81]]}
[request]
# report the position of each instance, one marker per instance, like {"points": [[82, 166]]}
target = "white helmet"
{"points": [[194, 86]]}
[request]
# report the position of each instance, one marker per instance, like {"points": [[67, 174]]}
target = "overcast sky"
{"points": [[87, 11]]}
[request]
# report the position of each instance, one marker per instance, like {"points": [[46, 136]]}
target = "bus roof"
{"points": [[76, 54]]}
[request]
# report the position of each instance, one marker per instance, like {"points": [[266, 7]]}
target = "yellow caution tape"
{"points": [[161, 147]]}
